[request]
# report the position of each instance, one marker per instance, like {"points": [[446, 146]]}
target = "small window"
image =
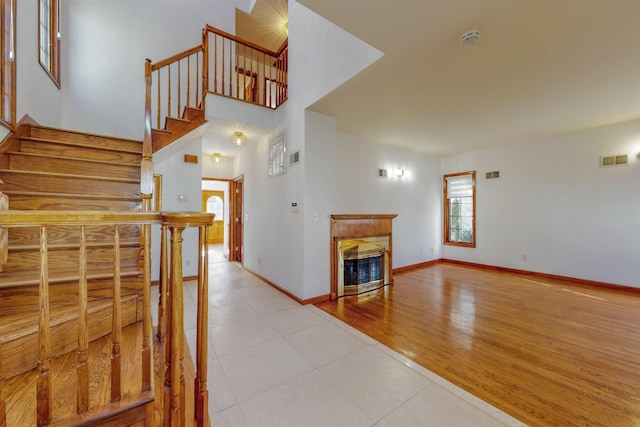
{"points": [[215, 205], [8, 63], [49, 38], [460, 209]]}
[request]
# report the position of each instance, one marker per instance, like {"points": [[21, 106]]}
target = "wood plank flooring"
{"points": [[548, 352]]}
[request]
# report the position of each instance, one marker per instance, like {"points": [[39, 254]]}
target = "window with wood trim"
{"points": [[49, 38], [460, 209], [8, 63]]}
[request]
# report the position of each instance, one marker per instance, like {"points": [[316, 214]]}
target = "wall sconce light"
{"points": [[238, 138], [217, 157], [285, 28], [398, 172]]}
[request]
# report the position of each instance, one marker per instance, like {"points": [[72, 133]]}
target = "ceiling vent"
{"points": [[492, 175], [618, 160]]}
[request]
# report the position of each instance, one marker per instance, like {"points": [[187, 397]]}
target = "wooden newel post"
{"points": [[174, 378]]}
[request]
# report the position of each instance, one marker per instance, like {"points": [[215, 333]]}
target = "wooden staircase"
{"points": [[44, 168], [175, 128]]}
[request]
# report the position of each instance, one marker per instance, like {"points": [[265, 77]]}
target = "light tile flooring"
{"points": [[273, 362]]}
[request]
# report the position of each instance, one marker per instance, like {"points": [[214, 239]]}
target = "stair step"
{"points": [[19, 333], [68, 183], [191, 113], [45, 163], [74, 150], [23, 267], [70, 235], [33, 200], [27, 297], [86, 139], [128, 411]]}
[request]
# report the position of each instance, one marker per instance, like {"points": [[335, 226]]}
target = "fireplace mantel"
{"points": [[357, 226]]}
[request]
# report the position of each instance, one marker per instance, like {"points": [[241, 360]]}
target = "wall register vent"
{"points": [[294, 158], [492, 175], [619, 160]]}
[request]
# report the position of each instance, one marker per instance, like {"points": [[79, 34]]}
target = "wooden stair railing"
{"points": [[224, 65], [8, 63], [174, 404], [171, 318], [242, 70], [173, 96]]}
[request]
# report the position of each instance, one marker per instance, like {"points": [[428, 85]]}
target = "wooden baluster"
{"points": [[168, 92], [148, 77], [236, 74], [168, 302], [233, 49], [201, 394], [44, 338], [147, 361], [116, 327], [199, 77], [215, 65], [177, 331], [163, 285], [82, 368], [205, 67], [222, 56], [159, 101], [179, 94], [188, 102]]}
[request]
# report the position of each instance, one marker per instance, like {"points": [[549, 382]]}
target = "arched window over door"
{"points": [[215, 205]]}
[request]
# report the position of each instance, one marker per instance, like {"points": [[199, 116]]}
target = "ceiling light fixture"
{"points": [[470, 38], [238, 138], [285, 28], [217, 157]]}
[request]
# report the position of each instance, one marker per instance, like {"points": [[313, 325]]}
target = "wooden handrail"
{"points": [[8, 63], [239, 40], [170, 60]]}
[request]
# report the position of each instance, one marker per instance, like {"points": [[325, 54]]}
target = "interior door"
{"points": [[236, 228], [213, 202]]}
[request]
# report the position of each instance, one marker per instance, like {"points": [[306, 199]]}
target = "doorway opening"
{"points": [[223, 197]]}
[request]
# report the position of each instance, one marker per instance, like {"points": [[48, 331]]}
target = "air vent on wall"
{"points": [[618, 160], [294, 158], [492, 175]]}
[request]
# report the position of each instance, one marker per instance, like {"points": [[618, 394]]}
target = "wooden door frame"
{"points": [[236, 212]]}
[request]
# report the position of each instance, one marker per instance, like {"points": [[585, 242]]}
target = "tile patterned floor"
{"points": [[273, 362]]}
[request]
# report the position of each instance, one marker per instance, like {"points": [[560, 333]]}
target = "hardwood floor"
{"points": [[548, 352]]}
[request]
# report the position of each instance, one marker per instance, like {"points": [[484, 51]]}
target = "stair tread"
{"points": [[8, 281], [107, 162], [94, 135], [21, 403], [21, 324], [69, 175], [78, 144], [70, 195]]}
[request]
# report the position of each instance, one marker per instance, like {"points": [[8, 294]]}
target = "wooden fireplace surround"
{"points": [[358, 226]]}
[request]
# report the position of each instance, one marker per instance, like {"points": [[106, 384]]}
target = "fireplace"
{"points": [[361, 256]]}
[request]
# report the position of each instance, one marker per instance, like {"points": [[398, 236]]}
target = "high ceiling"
{"points": [[542, 67]]}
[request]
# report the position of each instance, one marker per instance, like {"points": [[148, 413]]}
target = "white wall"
{"points": [[179, 179], [554, 204], [415, 197], [104, 47]]}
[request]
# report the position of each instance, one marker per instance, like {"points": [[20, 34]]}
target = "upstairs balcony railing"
{"points": [[224, 65], [242, 70]]}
